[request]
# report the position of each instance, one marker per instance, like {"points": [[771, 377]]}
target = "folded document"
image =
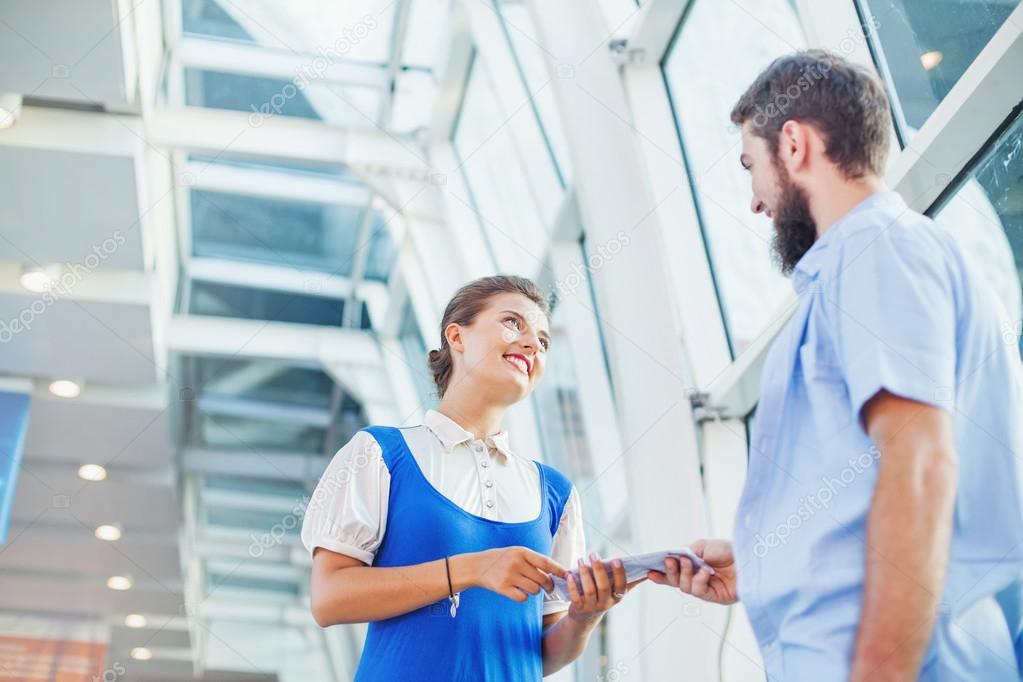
{"points": [[636, 567]]}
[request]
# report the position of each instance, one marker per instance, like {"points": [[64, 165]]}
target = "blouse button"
{"points": [[490, 503], [483, 464], [490, 484]]}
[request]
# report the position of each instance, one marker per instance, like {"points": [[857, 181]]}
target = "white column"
{"points": [[665, 496]]}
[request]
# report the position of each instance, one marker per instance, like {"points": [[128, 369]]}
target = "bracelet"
{"points": [[453, 596]]}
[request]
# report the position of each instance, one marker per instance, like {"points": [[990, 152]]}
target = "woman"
{"points": [[442, 538]]}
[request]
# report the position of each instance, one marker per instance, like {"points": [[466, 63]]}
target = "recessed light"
{"points": [[39, 279], [141, 653], [119, 582], [108, 532], [10, 109], [65, 388], [135, 620], [931, 59], [92, 472]]}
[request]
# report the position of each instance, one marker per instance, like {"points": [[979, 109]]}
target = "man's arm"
{"points": [[909, 529]]}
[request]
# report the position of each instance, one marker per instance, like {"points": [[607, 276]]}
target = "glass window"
{"points": [[233, 432], [263, 380], [923, 48], [500, 192], [533, 58], [986, 216], [250, 303], [357, 30], [298, 168], [299, 234], [750, 288], [340, 105], [414, 349]]}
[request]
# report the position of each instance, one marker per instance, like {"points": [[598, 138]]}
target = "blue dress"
{"points": [[493, 638]]}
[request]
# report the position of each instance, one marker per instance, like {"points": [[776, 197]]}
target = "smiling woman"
{"points": [[445, 519]]}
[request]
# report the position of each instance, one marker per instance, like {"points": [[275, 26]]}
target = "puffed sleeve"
{"points": [[347, 512], [569, 546]]}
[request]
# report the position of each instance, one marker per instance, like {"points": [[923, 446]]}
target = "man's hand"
{"points": [[719, 588]]}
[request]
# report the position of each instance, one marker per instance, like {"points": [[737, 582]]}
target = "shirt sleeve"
{"points": [[893, 311], [347, 512], [569, 546]]}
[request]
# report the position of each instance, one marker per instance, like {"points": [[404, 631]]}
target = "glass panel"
{"points": [[382, 252], [276, 231], [986, 216], [533, 57], [333, 171], [426, 23], [264, 380], [226, 432], [357, 30], [226, 300], [414, 93], [750, 288], [926, 46], [259, 96], [414, 349], [500, 193], [257, 486], [559, 412]]}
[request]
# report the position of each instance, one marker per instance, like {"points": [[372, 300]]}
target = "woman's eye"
{"points": [[514, 321]]}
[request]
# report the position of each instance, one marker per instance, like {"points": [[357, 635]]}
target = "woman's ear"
{"points": [[453, 333]]}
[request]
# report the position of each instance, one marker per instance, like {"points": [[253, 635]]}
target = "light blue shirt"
{"points": [[886, 301]]}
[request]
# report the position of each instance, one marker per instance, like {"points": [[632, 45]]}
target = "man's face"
{"points": [[784, 202]]}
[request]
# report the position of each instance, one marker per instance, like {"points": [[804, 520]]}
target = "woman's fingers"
{"points": [[672, 571], [575, 595], [586, 578], [619, 583], [600, 579]]}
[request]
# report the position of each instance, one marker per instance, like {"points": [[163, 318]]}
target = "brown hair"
{"points": [[845, 102], [466, 304]]}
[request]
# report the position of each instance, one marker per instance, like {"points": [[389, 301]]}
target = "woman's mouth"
{"points": [[518, 361]]}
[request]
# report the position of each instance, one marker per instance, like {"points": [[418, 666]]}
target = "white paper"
{"points": [[636, 567]]}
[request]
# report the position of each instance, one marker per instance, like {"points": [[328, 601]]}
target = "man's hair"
{"points": [[845, 102]]}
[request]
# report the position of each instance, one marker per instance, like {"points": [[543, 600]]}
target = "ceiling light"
{"points": [[92, 472], [39, 278], [10, 109], [141, 653], [119, 582], [65, 388], [108, 532], [931, 59], [135, 620]]}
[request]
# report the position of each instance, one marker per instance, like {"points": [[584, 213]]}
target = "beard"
{"points": [[795, 230]]}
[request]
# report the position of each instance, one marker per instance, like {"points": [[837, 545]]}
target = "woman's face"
{"points": [[504, 351]]}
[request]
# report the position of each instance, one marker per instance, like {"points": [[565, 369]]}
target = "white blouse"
{"points": [[347, 512]]}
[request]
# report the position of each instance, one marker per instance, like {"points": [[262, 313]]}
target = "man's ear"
{"points": [[794, 141]]}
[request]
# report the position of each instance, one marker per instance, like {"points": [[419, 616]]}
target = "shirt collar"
{"points": [[451, 434], [809, 265]]}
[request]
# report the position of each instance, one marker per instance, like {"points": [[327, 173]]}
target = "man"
{"points": [[880, 532]]}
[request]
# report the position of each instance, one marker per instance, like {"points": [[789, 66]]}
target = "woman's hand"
{"points": [[719, 588], [599, 593], [515, 572]]}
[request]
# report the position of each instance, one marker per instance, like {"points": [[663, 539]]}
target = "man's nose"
{"points": [[757, 206]]}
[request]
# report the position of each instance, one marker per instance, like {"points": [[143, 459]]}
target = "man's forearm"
{"points": [[908, 535]]}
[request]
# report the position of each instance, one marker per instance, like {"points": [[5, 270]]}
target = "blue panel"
{"points": [[13, 422]]}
